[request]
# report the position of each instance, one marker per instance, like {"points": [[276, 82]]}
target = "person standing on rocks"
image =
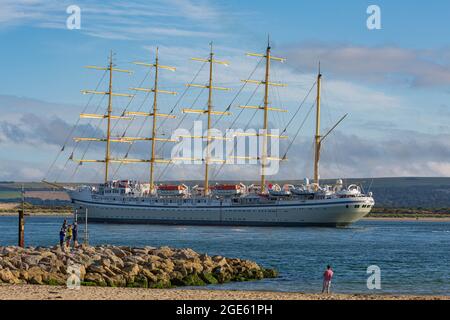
{"points": [[68, 236], [64, 225], [327, 276], [62, 236], [75, 234]]}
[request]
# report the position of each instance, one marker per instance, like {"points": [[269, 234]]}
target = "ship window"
{"points": [[357, 206], [346, 206]]}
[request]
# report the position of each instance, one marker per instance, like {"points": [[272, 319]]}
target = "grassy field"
{"points": [[44, 195], [29, 208], [9, 194]]}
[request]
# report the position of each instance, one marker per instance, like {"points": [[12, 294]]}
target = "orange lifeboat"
{"points": [[228, 189], [172, 190]]}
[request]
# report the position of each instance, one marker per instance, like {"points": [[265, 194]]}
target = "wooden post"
{"points": [[21, 229], [22, 222]]}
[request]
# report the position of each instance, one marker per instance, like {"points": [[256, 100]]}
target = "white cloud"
{"points": [[383, 64], [133, 20]]}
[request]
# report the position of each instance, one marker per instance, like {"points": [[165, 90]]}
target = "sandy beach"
{"points": [[43, 292]]}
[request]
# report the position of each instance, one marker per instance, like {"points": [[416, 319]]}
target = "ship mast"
{"points": [[208, 136], [155, 109], [264, 158], [108, 130], [209, 112], [266, 120], [317, 138], [129, 115], [108, 116], [154, 114]]}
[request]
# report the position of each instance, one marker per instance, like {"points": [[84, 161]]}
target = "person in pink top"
{"points": [[327, 276]]}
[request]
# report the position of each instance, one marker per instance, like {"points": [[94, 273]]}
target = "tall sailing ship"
{"points": [[126, 201]]}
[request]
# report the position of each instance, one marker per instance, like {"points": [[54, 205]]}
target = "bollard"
{"points": [[21, 229]]}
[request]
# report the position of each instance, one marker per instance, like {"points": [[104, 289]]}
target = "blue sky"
{"points": [[394, 82]]}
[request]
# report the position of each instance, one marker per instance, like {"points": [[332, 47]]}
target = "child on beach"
{"points": [[327, 276], [62, 235], [68, 236]]}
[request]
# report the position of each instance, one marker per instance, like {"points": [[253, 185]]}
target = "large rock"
{"points": [[7, 265], [131, 269], [95, 278], [8, 277], [116, 281], [119, 252], [94, 268], [149, 275], [163, 252], [35, 275], [32, 260], [139, 251]]}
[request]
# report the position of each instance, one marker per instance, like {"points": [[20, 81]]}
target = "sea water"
{"points": [[414, 257]]}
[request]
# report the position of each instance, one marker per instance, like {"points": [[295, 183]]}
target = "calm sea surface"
{"points": [[414, 257]]}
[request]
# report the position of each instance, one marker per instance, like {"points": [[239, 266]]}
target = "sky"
{"points": [[393, 82]]}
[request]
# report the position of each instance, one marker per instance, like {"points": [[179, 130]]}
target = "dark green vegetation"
{"points": [[378, 212]]}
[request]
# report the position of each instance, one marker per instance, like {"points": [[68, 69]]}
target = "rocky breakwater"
{"points": [[119, 266]]}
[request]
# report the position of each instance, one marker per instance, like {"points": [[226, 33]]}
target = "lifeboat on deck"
{"points": [[228, 190], [172, 190], [277, 191]]}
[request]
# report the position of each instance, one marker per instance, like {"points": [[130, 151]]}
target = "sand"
{"points": [[8, 206], [42, 292]]}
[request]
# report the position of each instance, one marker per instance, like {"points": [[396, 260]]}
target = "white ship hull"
{"points": [[324, 212]]}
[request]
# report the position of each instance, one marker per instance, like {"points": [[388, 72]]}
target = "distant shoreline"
{"points": [[408, 219], [45, 292]]}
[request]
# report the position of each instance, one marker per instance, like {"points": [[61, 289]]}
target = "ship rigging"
{"points": [[219, 204]]}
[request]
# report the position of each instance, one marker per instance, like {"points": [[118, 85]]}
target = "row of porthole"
{"points": [[357, 206]]}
